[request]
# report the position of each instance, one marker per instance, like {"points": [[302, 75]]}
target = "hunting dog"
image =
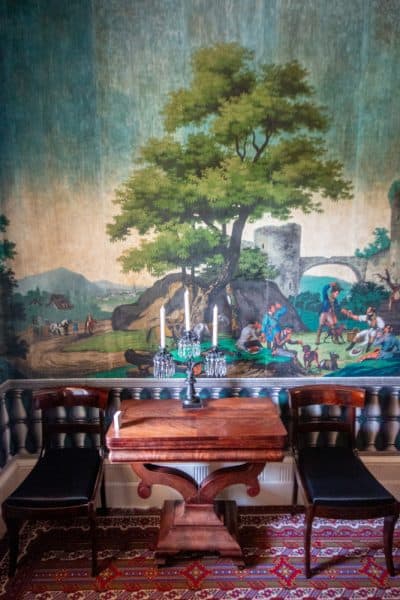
{"points": [[310, 356], [331, 363], [336, 334]]}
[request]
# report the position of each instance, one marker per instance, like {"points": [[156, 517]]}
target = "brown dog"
{"points": [[310, 356], [336, 334]]}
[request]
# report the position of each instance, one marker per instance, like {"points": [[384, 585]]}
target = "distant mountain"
{"points": [[59, 281]]}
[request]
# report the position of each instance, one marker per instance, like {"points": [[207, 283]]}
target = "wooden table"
{"points": [[243, 430]]}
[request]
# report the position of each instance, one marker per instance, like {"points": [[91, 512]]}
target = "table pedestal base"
{"points": [[203, 528], [199, 523]]}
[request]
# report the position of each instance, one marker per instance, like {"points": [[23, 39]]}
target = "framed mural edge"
{"points": [[227, 207]]}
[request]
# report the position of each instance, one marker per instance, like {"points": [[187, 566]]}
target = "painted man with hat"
{"points": [[328, 315], [374, 323]]}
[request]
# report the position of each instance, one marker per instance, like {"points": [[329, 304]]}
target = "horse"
{"points": [[60, 328]]}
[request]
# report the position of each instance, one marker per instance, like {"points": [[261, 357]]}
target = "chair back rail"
{"points": [[92, 423], [346, 399]]}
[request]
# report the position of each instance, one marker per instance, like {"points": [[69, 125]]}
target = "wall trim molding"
{"points": [[256, 383]]}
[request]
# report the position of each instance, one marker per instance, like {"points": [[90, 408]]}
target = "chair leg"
{"points": [[388, 529], [93, 533], [13, 527], [103, 495], [295, 491], [309, 516]]}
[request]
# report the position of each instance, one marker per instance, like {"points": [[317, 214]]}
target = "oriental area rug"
{"points": [[56, 559]]}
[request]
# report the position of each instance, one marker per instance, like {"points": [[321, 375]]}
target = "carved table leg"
{"points": [[198, 528], [198, 523]]}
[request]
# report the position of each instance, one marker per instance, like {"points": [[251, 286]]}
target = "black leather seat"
{"points": [[335, 482], [45, 486], [337, 477], [65, 480]]}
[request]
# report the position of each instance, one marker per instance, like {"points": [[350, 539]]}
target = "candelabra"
{"points": [[188, 349]]}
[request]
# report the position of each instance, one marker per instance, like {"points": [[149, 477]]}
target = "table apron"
{"points": [[212, 455], [192, 491]]}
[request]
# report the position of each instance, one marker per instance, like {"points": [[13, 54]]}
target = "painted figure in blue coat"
{"points": [[270, 325]]}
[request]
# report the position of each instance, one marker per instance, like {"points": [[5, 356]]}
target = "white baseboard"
{"points": [[386, 470], [275, 482]]}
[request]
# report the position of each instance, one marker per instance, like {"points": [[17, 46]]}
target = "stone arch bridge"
{"points": [[357, 265], [282, 245]]}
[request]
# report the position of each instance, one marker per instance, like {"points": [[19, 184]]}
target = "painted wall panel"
{"points": [[84, 87]]}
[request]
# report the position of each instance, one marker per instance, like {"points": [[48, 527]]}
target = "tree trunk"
{"points": [[200, 304], [201, 296]]}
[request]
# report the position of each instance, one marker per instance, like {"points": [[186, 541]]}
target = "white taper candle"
{"points": [[162, 326], [187, 311], [215, 327]]}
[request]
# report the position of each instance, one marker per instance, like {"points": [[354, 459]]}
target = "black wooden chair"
{"points": [[64, 482], [335, 482]]}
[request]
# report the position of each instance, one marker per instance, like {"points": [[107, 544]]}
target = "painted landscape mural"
{"points": [[246, 152]]}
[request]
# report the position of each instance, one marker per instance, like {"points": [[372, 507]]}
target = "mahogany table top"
{"points": [[224, 429]]}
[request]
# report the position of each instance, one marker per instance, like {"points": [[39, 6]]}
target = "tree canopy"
{"points": [[10, 308], [242, 141], [381, 242], [181, 246]]}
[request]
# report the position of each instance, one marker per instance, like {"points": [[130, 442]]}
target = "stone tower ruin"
{"points": [[282, 245]]}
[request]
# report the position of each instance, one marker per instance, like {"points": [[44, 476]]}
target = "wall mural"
{"points": [[244, 151]]}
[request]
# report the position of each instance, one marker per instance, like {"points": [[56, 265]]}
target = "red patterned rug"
{"points": [[55, 562]]}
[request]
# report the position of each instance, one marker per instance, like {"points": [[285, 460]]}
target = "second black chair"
{"points": [[335, 482]]}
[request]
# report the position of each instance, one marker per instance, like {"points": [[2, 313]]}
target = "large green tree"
{"points": [[242, 140], [10, 308]]}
